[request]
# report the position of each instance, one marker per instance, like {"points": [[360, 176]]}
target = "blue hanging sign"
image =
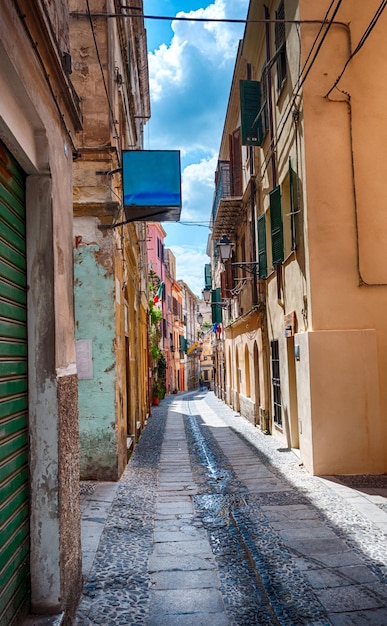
{"points": [[151, 181]]}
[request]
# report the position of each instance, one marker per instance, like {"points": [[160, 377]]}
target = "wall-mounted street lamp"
{"points": [[206, 293], [225, 249], [200, 319]]}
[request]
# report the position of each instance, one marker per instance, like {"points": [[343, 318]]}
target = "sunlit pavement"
{"points": [[214, 523]]}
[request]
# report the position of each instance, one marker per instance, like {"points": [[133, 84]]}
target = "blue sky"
{"points": [[190, 71]]}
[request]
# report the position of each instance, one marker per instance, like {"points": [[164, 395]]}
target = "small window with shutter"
{"points": [[216, 306], [280, 45], [207, 276], [277, 236], [294, 206], [251, 112], [262, 250]]}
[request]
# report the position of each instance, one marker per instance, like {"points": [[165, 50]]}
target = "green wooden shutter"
{"points": [[251, 118], [277, 237], [294, 205], [14, 484], [216, 308], [262, 252], [207, 276]]}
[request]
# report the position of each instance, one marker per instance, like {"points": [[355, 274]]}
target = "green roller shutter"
{"points": [[277, 236], [14, 482]]}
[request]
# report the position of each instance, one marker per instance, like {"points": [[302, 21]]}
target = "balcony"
{"points": [[226, 210]]}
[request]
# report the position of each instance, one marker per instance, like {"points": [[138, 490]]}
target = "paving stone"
{"points": [[376, 617], [191, 534], [185, 580], [165, 563], [177, 507], [172, 543], [168, 602], [341, 576], [196, 547], [192, 619], [349, 598], [315, 546]]}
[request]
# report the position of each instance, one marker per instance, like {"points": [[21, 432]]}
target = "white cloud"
{"points": [[197, 189], [190, 264], [215, 40], [165, 67], [190, 79]]}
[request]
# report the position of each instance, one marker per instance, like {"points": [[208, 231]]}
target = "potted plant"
{"points": [[155, 396], [158, 391]]}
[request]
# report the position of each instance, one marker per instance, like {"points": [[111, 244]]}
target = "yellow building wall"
{"points": [[347, 222], [339, 411]]}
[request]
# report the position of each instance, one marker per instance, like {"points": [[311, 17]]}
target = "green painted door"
{"points": [[14, 481]]}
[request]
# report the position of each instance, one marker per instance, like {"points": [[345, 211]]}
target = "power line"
{"points": [[361, 43], [174, 18], [300, 82]]}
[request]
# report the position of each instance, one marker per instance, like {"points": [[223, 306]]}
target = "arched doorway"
{"points": [[257, 389], [247, 373]]}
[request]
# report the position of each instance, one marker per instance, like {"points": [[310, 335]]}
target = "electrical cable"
{"points": [[175, 18], [46, 75], [361, 43], [300, 82]]}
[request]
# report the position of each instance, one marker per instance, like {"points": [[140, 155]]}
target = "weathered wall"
{"points": [[37, 135], [94, 292]]}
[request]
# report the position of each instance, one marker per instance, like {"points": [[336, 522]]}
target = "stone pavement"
{"points": [[317, 545]]}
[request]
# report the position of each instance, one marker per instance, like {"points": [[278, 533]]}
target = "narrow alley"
{"points": [[213, 523]]}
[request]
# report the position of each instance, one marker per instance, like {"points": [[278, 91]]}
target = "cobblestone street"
{"points": [[213, 523]]}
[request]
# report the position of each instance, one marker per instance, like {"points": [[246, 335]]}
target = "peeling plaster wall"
{"points": [[94, 291], [34, 132]]}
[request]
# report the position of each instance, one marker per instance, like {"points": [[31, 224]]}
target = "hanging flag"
{"points": [[159, 293]]}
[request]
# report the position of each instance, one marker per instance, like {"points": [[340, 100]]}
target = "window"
{"points": [[264, 101], [235, 163], [207, 276], [262, 252], [160, 249], [227, 278], [216, 308], [294, 206], [276, 383], [243, 253], [251, 112], [183, 343], [280, 46], [277, 238]]}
